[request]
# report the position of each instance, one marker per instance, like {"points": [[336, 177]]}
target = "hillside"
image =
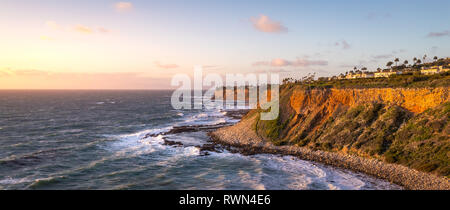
{"points": [[396, 125]]}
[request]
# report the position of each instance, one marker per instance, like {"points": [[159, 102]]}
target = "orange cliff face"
{"points": [[413, 100]]}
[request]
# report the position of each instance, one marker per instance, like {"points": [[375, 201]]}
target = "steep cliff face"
{"points": [[414, 100], [406, 126]]}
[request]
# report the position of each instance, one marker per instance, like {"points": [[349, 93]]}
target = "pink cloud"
{"points": [[345, 45], [280, 62], [300, 62], [438, 34], [123, 6], [265, 24], [103, 30], [83, 29]]}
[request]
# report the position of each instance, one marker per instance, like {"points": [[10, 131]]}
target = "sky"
{"points": [[137, 44]]}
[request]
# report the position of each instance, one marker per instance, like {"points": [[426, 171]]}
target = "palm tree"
{"points": [[419, 61], [396, 61], [424, 58], [378, 69], [364, 69], [405, 62], [354, 68], [435, 58], [415, 60], [389, 64]]}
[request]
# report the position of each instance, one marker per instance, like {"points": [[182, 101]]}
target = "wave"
{"points": [[37, 157], [287, 172], [13, 181], [45, 181], [147, 141]]}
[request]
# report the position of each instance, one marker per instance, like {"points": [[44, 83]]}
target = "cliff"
{"points": [[395, 125]]}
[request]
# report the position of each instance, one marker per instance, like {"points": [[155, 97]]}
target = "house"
{"points": [[367, 75], [354, 75], [332, 78], [386, 73], [432, 70], [445, 68]]}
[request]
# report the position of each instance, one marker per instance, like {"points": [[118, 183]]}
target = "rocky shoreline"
{"points": [[242, 138]]}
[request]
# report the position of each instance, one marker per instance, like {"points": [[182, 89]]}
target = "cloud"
{"points": [[212, 67], [53, 25], [372, 16], [83, 29], [280, 62], [346, 66], [166, 66], [123, 6], [272, 71], [305, 62], [438, 34], [77, 28], [300, 62], [39, 79], [23, 72], [265, 24], [103, 30], [345, 45], [383, 56], [398, 51]]}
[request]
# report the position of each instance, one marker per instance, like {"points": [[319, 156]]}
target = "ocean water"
{"points": [[96, 140]]}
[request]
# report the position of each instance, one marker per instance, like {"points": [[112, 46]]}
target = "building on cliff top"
{"points": [[356, 75], [434, 70], [386, 73], [367, 75]]}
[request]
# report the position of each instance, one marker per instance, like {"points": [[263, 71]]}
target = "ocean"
{"points": [[116, 140]]}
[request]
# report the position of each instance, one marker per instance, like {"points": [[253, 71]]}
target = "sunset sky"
{"points": [[67, 44]]}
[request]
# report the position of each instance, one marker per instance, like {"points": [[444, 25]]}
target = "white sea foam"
{"points": [[201, 115], [135, 144], [141, 134], [287, 172], [12, 181], [252, 180]]}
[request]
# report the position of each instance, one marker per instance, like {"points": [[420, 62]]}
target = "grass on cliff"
{"points": [[409, 80], [424, 142]]}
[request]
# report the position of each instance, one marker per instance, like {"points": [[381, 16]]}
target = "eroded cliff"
{"points": [[397, 125]]}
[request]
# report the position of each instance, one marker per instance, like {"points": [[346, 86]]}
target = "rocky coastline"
{"points": [[242, 138]]}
